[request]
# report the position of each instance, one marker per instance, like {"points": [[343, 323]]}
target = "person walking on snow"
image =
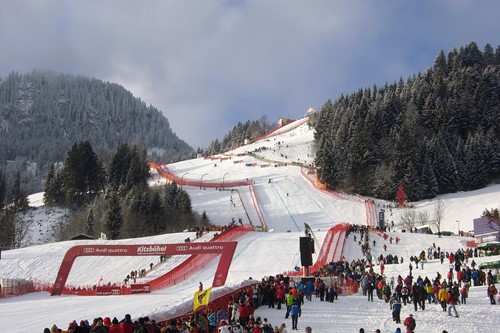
{"points": [[464, 293], [396, 309], [410, 324], [289, 299], [294, 312], [309, 290], [443, 297], [451, 303], [492, 291]]}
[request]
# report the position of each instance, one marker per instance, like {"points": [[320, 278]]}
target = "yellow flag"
{"points": [[201, 298]]}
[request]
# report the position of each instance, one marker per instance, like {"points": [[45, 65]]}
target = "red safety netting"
{"points": [[331, 251], [197, 262]]}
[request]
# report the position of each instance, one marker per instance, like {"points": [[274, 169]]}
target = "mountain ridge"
{"points": [[43, 113]]}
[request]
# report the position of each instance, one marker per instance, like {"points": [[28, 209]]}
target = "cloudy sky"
{"points": [[209, 64]]}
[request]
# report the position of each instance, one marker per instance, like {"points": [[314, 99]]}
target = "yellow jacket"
{"points": [[443, 295]]}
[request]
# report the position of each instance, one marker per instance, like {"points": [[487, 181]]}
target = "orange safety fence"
{"points": [[371, 219], [165, 173], [181, 181], [471, 243], [314, 180]]}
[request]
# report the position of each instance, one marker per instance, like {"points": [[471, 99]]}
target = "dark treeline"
{"points": [[114, 198], [438, 132], [42, 114], [117, 199]]}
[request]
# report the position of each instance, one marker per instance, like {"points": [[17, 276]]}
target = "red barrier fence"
{"points": [[331, 251], [371, 215], [196, 262], [257, 209], [165, 173], [187, 268], [181, 181]]}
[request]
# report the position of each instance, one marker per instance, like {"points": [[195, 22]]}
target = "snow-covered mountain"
{"points": [[282, 198]]}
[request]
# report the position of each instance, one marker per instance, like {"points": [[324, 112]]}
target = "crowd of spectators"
{"points": [[444, 290]]}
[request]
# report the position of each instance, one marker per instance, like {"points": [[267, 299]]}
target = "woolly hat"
{"points": [[53, 329], [115, 321], [107, 321]]}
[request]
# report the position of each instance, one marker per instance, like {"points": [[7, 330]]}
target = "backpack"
{"points": [[413, 324]]}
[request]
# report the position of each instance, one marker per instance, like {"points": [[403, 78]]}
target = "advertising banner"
{"points": [[224, 249], [141, 288], [106, 291]]}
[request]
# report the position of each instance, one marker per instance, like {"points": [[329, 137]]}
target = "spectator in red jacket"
{"points": [[115, 326], [452, 301], [410, 324], [492, 291], [126, 324]]}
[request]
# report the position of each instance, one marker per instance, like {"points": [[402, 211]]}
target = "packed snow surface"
{"points": [[285, 199]]}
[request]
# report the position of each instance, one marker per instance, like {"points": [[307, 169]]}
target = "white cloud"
{"points": [[207, 65]]}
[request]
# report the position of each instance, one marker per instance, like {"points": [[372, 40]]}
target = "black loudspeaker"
{"points": [[305, 251]]}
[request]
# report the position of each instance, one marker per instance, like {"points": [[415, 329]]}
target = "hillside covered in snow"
{"points": [[281, 198]]}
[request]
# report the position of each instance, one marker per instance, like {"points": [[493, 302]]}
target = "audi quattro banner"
{"points": [[140, 288], [225, 249], [149, 249], [106, 291]]}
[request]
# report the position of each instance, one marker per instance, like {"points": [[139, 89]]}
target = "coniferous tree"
{"points": [[156, 212], [51, 112], [183, 202], [49, 185], [73, 184], [170, 194], [19, 199], [113, 216], [83, 174], [90, 224], [489, 55], [445, 122], [138, 171], [119, 166], [94, 177], [428, 181], [7, 228], [3, 189]]}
